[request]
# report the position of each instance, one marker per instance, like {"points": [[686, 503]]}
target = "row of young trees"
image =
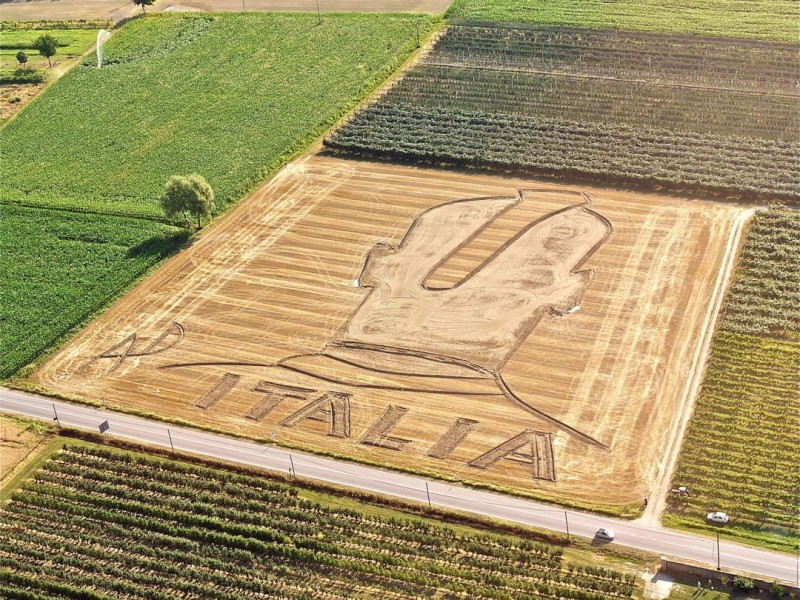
{"points": [[46, 45], [675, 60]]}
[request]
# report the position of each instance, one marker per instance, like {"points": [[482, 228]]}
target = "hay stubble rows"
{"points": [[274, 336]]}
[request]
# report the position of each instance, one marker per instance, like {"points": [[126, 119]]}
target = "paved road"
{"points": [[770, 565]]}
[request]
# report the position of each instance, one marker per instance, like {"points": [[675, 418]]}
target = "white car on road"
{"points": [[718, 517], [605, 534]]}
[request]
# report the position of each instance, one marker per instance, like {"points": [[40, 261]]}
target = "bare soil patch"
{"points": [[502, 330], [14, 97], [16, 443]]}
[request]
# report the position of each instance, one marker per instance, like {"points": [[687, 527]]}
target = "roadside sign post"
{"points": [[104, 426], [58, 423]]}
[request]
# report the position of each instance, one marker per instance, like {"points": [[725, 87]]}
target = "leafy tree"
{"points": [[143, 3], [47, 46], [22, 58], [188, 195]]}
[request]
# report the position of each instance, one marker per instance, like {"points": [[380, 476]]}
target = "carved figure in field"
{"points": [[409, 336], [412, 337]]}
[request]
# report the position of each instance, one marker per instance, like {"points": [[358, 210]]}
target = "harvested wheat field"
{"points": [[526, 334]]}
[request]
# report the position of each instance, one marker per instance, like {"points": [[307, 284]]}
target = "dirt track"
{"points": [[585, 392], [116, 10]]}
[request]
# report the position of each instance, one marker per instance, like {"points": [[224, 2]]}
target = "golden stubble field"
{"points": [[500, 330]]}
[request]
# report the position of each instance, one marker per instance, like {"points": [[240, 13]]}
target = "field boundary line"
{"points": [[417, 58], [697, 371]]}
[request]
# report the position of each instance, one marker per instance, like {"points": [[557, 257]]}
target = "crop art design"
{"points": [[492, 330], [408, 336], [412, 337]]}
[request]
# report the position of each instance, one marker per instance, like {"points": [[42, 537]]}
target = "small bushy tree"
{"points": [[188, 195], [47, 46], [22, 58], [777, 589], [143, 3], [744, 583]]}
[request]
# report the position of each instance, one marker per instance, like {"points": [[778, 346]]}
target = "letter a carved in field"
{"points": [[332, 407], [529, 447]]}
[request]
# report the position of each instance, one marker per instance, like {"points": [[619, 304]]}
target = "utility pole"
{"points": [[428, 492], [58, 423], [719, 564], [171, 445], [319, 15], [566, 520], [291, 467]]}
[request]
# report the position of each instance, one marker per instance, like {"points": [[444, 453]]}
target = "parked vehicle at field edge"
{"points": [[718, 517]]}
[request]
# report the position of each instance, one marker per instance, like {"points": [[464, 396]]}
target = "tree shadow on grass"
{"points": [[161, 246]]}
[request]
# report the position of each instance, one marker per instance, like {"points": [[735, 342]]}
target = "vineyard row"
{"points": [[598, 100], [646, 157], [667, 59]]}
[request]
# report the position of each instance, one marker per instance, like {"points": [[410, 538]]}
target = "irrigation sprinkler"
{"points": [[102, 38]]}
